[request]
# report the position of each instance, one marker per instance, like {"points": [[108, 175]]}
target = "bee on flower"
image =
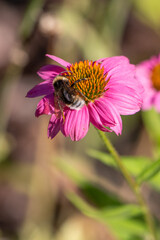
{"points": [[78, 94]]}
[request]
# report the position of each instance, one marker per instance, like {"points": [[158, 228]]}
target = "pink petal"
{"points": [[124, 99], [104, 112], [43, 88], [157, 101], [125, 76], [77, 123], [118, 67], [45, 106], [143, 75], [113, 62], [148, 99], [48, 72], [117, 128], [59, 60], [108, 115], [95, 118], [54, 126], [121, 73], [101, 115]]}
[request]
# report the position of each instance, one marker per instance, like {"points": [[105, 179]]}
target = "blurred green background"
{"points": [[37, 174]]}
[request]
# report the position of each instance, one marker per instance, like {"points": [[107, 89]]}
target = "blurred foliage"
{"points": [[117, 218], [143, 168], [152, 123], [51, 189], [148, 11], [30, 18]]}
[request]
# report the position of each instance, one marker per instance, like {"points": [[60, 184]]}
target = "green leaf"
{"points": [[134, 164], [120, 219], [122, 212], [94, 192], [83, 206], [149, 172], [105, 214], [97, 195], [126, 229], [155, 182]]}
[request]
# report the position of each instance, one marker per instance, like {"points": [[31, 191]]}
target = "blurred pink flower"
{"points": [[148, 72], [110, 90]]}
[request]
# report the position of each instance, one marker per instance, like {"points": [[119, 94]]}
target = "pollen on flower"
{"points": [[93, 82], [155, 77]]}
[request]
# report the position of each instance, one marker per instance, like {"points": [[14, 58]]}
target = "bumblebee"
{"points": [[67, 95]]}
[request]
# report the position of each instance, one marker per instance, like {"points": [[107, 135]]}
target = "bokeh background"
{"points": [[36, 173]]}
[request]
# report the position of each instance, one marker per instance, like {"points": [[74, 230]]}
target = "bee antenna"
{"points": [[64, 72], [79, 80]]}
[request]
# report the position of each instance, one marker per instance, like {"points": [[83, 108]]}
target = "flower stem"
{"points": [[132, 183]]}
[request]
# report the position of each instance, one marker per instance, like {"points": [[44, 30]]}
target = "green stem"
{"points": [[132, 183]]}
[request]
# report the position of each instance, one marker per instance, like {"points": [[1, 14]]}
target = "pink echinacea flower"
{"points": [[148, 72], [106, 89]]}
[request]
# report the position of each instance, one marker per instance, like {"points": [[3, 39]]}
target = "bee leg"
{"points": [[63, 117], [61, 110]]}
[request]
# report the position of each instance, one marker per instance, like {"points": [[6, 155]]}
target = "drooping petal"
{"points": [[43, 88], [48, 72], [45, 106], [102, 115], [77, 123], [59, 60], [117, 128], [95, 118], [54, 126], [104, 112], [107, 114]]}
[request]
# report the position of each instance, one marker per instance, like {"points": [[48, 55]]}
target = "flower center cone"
{"points": [[155, 76], [88, 79]]}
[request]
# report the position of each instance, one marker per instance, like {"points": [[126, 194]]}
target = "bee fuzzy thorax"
{"points": [[65, 94]]}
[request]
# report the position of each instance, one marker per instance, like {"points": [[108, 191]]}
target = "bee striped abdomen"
{"points": [[77, 104]]}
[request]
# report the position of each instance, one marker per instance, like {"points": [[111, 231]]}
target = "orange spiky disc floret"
{"points": [[94, 80], [155, 76]]}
